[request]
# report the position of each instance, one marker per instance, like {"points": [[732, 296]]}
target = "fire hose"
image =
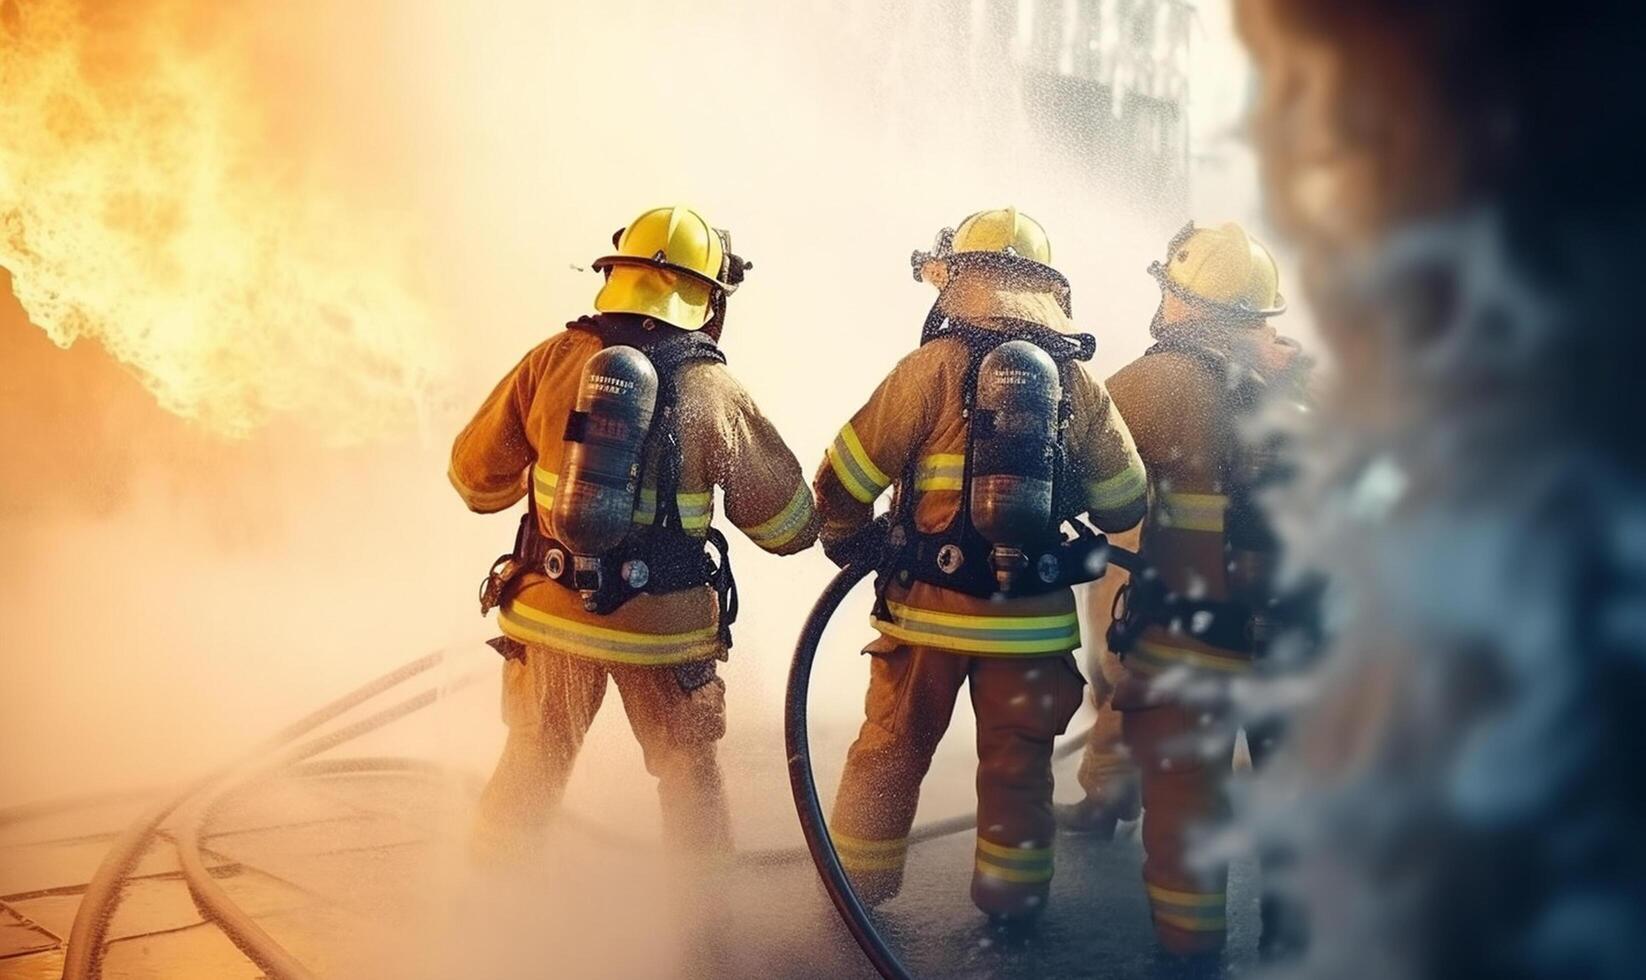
{"points": [[283, 752]]}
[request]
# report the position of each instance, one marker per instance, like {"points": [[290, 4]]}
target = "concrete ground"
{"points": [[367, 876]]}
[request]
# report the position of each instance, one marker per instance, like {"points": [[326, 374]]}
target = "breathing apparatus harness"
{"points": [[658, 558], [1257, 610], [961, 557]]}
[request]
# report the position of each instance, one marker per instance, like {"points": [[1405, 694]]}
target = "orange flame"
{"points": [[142, 206]]}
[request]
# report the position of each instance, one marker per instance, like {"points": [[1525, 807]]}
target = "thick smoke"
{"points": [[285, 160], [1463, 796]]}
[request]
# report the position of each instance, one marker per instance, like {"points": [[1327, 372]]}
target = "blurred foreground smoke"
{"points": [[1463, 795]]}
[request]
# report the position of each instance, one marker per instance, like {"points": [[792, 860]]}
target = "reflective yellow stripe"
{"points": [[787, 523], [857, 472], [1003, 622], [483, 499], [1190, 899], [1020, 853], [1150, 657], [538, 628], [1036, 635], [696, 509], [940, 471], [1020, 865], [1013, 875], [544, 484], [1192, 511], [1119, 490], [857, 854], [1192, 911]]}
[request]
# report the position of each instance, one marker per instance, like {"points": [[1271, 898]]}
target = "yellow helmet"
{"points": [[1006, 232], [670, 265], [1223, 268], [1002, 239]]}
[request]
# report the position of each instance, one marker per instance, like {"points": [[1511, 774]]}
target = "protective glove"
{"points": [[865, 546]]}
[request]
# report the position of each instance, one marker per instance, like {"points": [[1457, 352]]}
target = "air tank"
{"points": [[605, 444], [1015, 412]]}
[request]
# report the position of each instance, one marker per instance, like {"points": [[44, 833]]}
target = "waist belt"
{"points": [[637, 570], [971, 566], [606, 582]]}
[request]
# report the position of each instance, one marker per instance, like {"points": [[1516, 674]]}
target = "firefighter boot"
{"points": [[1098, 815]]}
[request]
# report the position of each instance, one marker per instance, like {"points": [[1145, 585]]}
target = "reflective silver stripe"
{"points": [[940, 471], [539, 628], [1028, 635], [786, 523], [696, 509], [857, 472], [544, 485]]}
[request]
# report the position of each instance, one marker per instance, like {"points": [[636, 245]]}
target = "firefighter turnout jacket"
{"points": [[514, 445], [915, 419]]}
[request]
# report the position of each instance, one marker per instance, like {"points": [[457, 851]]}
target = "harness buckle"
{"points": [[554, 564]]}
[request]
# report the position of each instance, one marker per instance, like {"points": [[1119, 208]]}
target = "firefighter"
{"points": [[1107, 773], [611, 577], [968, 592], [1206, 611]]}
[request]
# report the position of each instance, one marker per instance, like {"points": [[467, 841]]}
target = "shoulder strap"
{"points": [[668, 356], [979, 341]]}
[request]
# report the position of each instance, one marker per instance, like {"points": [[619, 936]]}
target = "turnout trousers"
{"points": [[1184, 754], [1022, 703], [550, 700]]}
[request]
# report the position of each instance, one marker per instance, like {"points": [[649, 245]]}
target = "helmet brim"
{"points": [[1013, 266], [656, 290], [1163, 277], [614, 261]]}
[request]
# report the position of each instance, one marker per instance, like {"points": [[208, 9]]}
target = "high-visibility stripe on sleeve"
{"points": [[544, 484], [785, 524], [1192, 911], [940, 471], [1018, 865], [860, 854], [1119, 490], [484, 500], [987, 635], [1192, 511], [539, 628], [856, 471], [695, 510], [1151, 657]]}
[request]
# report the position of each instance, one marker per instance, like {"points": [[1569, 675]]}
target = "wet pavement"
{"points": [[366, 875]]}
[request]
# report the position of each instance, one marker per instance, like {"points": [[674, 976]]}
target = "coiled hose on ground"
{"points": [[283, 753]]}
